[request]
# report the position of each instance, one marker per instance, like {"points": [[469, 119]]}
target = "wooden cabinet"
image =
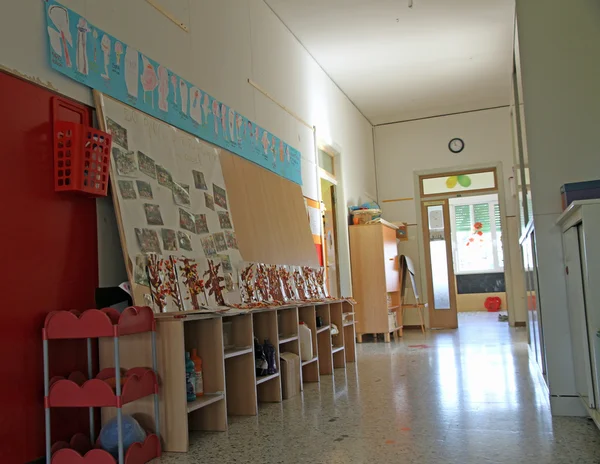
{"points": [[375, 278]]}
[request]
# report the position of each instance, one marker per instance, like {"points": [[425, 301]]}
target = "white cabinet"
{"points": [[580, 225]]}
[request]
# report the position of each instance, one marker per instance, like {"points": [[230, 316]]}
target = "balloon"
{"points": [[451, 182], [464, 181]]}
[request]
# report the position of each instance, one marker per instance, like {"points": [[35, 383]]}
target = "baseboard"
{"points": [[520, 324], [570, 406]]}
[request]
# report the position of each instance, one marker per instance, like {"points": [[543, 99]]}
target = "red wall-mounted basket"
{"points": [[81, 159]]}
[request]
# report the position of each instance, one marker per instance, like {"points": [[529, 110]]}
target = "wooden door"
{"points": [[440, 269]]}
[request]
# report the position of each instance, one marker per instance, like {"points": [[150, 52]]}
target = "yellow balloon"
{"points": [[451, 182]]}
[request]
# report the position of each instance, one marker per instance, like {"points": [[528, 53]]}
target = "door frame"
{"points": [[501, 190], [448, 319]]}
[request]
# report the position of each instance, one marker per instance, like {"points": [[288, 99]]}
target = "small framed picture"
{"points": [[209, 201], [169, 238], [125, 162], [199, 181], [220, 196], [220, 243], [201, 224], [127, 190], [148, 240], [153, 216], [187, 221], [118, 133], [185, 240], [146, 165], [224, 220], [144, 189]]}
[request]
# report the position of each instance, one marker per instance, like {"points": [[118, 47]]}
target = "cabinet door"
{"points": [[578, 317], [390, 256]]}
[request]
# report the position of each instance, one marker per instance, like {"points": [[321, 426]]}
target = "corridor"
{"points": [[466, 396]]}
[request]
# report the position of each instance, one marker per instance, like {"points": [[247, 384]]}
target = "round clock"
{"points": [[456, 145]]}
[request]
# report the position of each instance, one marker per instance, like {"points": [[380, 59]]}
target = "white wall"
{"points": [[401, 149], [560, 63], [230, 41]]}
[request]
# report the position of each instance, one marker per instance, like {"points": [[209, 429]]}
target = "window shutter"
{"points": [[481, 212], [462, 218], [497, 217]]}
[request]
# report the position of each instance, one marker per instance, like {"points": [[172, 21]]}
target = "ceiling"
{"points": [[397, 63]]}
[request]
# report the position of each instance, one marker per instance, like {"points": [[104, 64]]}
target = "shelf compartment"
{"points": [[348, 324], [287, 339], [78, 391], [336, 349], [323, 329], [266, 378], [80, 451], [310, 361], [237, 351], [203, 401], [95, 323]]}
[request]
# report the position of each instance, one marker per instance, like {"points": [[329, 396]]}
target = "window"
{"points": [[326, 162], [476, 235]]}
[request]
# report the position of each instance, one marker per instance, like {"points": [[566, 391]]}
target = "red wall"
{"points": [[48, 261]]}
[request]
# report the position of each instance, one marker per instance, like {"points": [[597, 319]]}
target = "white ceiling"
{"points": [[396, 63]]}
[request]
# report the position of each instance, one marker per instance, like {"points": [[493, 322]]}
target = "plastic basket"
{"points": [[81, 159]]}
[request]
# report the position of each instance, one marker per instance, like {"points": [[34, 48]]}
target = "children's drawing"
{"points": [[55, 40], [265, 142], [220, 196], [125, 162], [220, 242], [147, 240], [224, 120], [300, 282], [229, 285], [95, 36], [206, 107], [201, 224], [118, 52], [287, 282], [169, 238], [146, 164], [214, 283], [127, 190], [153, 216], [140, 276], [170, 283], [183, 91], [208, 246], [196, 105], [209, 201], [60, 18], [216, 115], [144, 189], [287, 153], [261, 283], [311, 283], [118, 132], [275, 285], [164, 177], [181, 196], [185, 241], [191, 285], [174, 86], [239, 122], [105, 44], [321, 283], [246, 282], [224, 220], [82, 58], [232, 124], [199, 181], [163, 88], [226, 262], [187, 221], [281, 151], [156, 280], [256, 134], [131, 71], [231, 240], [149, 79], [185, 187]]}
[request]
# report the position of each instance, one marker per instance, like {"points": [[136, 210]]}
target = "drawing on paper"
{"points": [[189, 278], [206, 107], [171, 284], [118, 52], [201, 224], [105, 45], [183, 93], [226, 262], [208, 246], [146, 165], [224, 220], [239, 121], [147, 240], [275, 286], [60, 18], [231, 240], [246, 282], [169, 238], [127, 190], [82, 58], [281, 151], [144, 190], [163, 88], [220, 242], [232, 124], [181, 196], [214, 282], [149, 79], [262, 282], [220, 196], [95, 36], [55, 41], [199, 181], [125, 162], [140, 276], [287, 283], [185, 187], [196, 105], [224, 120], [119, 133], [229, 285], [216, 115], [185, 240], [187, 221], [156, 280], [265, 142], [164, 177], [209, 201], [131, 71], [153, 216]]}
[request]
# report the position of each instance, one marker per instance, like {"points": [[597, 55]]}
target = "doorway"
{"points": [[471, 198]]}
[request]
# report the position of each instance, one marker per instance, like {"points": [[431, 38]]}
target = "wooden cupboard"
{"points": [[375, 279]]}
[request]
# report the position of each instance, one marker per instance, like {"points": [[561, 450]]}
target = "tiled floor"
{"points": [[466, 396]]}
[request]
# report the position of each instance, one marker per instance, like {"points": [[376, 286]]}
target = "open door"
{"points": [[438, 261]]}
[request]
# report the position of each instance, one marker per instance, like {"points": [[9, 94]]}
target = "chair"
{"points": [[408, 267]]}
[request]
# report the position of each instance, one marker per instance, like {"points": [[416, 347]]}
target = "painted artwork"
{"points": [[220, 196], [146, 165], [119, 133], [231, 240], [229, 285], [191, 283], [288, 284], [95, 58], [147, 240], [224, 220], [209, 201], [246, 281], [169, 238], [199, 181], [164, 177], [144, 190], [214, 283], [164, 286], [208, 246], [181, 196], [140, 275], [201, 224], [125, 162], [153, 216], [226, 262], [185, 240], [220, 242], [187, 220], [127, 190]]}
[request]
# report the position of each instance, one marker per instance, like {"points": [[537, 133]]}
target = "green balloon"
{"points": [[464, 181]]}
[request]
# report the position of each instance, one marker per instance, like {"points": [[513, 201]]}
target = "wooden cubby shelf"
{"points": [[226, 345]]}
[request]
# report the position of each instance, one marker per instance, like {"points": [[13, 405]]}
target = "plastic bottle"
{"points": [[199, 385], [190, 378], [306, 346]]}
